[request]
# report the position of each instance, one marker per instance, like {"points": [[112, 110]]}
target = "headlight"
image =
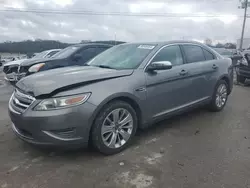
{"points": [[61, 102], [36, 68]]}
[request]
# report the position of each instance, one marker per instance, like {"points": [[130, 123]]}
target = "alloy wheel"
{"points": [[117, 128], [221, 96]]}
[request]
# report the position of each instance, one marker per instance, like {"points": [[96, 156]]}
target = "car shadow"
{"points": [[246, 84], [141, 136], [170, 123]]}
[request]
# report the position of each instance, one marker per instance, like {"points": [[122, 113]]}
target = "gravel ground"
{"points": [[197, 149]]}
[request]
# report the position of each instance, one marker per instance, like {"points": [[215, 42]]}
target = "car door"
{"points": [[167, 89], [201, 67]]}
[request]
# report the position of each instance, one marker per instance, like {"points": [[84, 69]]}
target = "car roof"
{"points": [[91, 44], [52, 50], [166, 42]]}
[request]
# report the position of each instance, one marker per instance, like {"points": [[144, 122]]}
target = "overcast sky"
{"points": [[16, 26]]}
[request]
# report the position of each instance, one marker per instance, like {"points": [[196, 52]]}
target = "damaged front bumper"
{"points": [[14, 77], [243, 71]]}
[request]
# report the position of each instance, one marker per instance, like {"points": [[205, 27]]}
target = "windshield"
{"points": [[128, 56], [52, 53], [40, 55], [66, 52]]}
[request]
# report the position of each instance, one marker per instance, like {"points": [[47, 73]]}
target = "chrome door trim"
{"points": [[180, 107]]}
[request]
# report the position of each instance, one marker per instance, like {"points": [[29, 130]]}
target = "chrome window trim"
{"points": [[174, 44]]}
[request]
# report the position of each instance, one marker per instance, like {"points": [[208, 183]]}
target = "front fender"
{"points": [[228, 79], [114, 97]]}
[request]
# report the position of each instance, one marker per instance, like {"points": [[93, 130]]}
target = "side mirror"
{"points": [[76, 57], [160, 65]]}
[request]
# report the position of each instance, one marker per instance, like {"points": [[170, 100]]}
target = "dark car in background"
{"points": [[243, 67], [73, 55], [11, 68], [127, 87], [228, 53]]}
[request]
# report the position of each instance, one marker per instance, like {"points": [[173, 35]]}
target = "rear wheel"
{"points": [[114, 128], [220, 95], [240, 79]]}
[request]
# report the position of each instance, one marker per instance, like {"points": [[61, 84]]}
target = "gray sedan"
{"points": [[127, 87]]}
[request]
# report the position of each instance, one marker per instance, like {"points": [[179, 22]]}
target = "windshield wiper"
{"points": [[105, 66]]}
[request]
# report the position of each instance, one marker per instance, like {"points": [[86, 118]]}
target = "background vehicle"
{"points": [[121, 89], [77, 54], [225, 52], [11, 68], [243, 68], [230, 53]]}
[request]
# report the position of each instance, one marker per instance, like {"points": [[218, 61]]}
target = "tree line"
{"points": [[30, 47]]}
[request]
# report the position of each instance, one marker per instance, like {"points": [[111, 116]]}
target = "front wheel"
{"points": [[114, 127], [220, 95]]}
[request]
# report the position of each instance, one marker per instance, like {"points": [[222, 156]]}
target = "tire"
{"points": [[217, 104], [107, 117], [240, 79]]}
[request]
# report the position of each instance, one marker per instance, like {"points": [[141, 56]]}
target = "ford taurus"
{"points": [[127, 87]]}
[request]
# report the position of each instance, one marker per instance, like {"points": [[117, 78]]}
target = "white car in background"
{"points": [[11, 68]]}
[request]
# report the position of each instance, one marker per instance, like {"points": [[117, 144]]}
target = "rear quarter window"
{"points": [[193, 53], [208, 55]]}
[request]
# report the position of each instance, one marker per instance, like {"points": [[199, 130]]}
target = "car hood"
{"points": [[17, 62], [29, 62], [52, 81]]}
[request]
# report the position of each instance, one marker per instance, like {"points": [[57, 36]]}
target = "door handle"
{"points": [[183, 73], [214, 66]]}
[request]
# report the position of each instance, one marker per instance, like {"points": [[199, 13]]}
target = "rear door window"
{"points": [[193, 53]]}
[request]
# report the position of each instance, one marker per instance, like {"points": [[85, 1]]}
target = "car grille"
{"points": [[10, 69], [19, 101]]}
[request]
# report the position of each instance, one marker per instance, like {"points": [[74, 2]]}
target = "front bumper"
{"points": [[67, 127], [14, 77], [10, 77]]}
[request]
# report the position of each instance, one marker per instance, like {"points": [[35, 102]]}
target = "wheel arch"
{"points": [[126, 97], [227, 80]]}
